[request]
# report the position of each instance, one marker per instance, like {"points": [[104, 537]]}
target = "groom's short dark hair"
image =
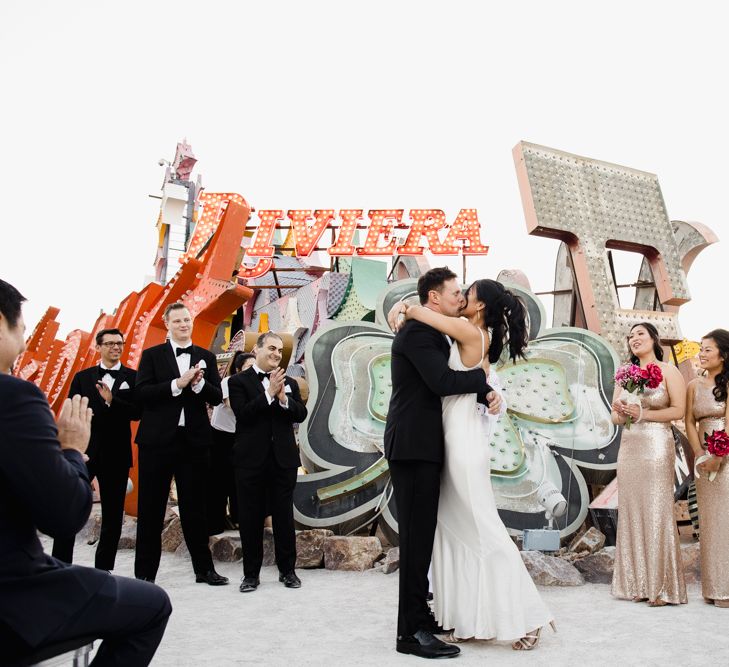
{"points": [[433, 280]]}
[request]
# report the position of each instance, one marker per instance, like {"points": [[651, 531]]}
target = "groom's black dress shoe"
{"points": [[425, 645], [211, 578]]}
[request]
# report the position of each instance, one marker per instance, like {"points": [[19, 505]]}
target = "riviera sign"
{"points": [[388, 234]]}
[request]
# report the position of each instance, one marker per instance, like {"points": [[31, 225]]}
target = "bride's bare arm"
{"points": [[457, 328]]}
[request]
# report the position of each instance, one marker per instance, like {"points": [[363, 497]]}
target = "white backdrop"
{"points": [[342, 105]]}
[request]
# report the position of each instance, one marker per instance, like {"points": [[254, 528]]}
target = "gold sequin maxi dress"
{"points": [[713, 500], [647, 555]]}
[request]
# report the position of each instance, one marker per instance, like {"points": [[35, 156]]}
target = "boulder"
{"points": [[391, 562], [182, 551], [590, 542], [569, 556], [691, 557], [269, 553], [172, 512], [91, 532], [226, 548], [310, 547], [351, 553], [172, 536], [128, 539], [598, 568], [566, 542], [550, 570]]}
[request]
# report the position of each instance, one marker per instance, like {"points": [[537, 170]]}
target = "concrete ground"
{"points": [[348, 618]]}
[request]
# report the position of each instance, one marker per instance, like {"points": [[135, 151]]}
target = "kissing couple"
{"points": [[445, 403]]}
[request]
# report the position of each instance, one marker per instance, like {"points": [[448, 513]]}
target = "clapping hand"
{"points": [[187, 377], [199, 374], [276, 382], [74, 423], [281, 396], [105, 392], [192, 376]]}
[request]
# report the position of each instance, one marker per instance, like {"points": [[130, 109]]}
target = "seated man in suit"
{"points": [[266, 405], [109, 388], [45, 486], [175, 382]]}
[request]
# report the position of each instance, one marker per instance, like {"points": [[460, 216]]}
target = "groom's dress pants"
{"points": [[416, 486]]}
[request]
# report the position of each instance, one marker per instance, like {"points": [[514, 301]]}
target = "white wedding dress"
{"points": [[481, 587]]}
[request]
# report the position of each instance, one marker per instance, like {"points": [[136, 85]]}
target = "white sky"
{"points": [[343, 105]]}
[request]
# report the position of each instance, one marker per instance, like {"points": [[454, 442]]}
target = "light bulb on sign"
{"points": [[343, 245], [381, 223]]}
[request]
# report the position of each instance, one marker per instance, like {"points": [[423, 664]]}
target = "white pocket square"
{"points": [[202, 364], [124, 385], [287, 389]]}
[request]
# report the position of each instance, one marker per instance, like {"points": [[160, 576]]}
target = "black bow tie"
{"points": [[184, 350], [262, 375], [104, 371]]}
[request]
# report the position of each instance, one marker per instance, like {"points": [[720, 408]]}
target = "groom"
{"points": [[414, 450]]}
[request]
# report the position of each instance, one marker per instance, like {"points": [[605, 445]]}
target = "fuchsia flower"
{"points": [[717, 444], [633, 378], [653, 374]]}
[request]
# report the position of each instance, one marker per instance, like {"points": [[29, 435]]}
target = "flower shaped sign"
{"points": [[557, 427]]}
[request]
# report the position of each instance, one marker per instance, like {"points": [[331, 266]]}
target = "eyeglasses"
{"points": [[113, 344]]}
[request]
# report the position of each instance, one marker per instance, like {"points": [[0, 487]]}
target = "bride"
{"points": [[481, 587]]}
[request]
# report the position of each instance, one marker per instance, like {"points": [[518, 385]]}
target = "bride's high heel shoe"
{"points": [[531, 641], [451, 638]]}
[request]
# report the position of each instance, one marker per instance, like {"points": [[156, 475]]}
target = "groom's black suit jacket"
{"points": [[110, 445], [161, 410], [420, 376]]}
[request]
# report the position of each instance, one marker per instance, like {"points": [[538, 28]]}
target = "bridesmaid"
{"points": [[647, 556], [706, 403]]}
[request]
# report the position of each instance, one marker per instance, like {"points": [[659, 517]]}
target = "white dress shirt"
{"points": [[106, 377], [266, 384], [183, 364]]}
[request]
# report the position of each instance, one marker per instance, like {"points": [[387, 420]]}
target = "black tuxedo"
{"points": [[110, 456], [167, 449], [43, 600], [414, 449], [161, 411], [266, 459]]}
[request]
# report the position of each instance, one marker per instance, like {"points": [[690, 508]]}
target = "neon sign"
{"points": [[387, 232]]}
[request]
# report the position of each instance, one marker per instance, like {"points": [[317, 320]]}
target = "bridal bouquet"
{"points": [[717, 445], [634, 379]]}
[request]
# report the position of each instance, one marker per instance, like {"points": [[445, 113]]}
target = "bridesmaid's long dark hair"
{"points": [[721, 338], [506, 316], [653, 333], [236, 363]]}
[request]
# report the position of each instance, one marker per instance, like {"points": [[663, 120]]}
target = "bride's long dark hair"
{"points": [[506, 316]]}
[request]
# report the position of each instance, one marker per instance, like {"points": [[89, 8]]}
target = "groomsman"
{"points": [[175, 381], [266, 405], [109, 388]]}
